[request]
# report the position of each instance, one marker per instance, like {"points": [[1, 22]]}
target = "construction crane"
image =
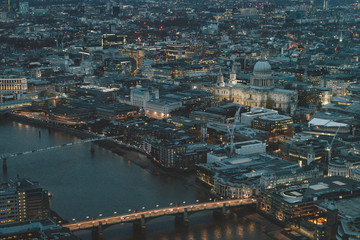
{"points": [[62, 40], [231, 130], [329, 147]]}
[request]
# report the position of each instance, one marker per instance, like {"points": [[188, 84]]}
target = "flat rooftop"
{"points": [[259, 111], [348, 208], [247, 143], [275, 117]]}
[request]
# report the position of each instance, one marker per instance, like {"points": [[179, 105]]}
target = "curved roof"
{"points": [[262, 67]]}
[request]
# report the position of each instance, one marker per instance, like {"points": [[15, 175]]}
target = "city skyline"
{"points": [[179, 119]]}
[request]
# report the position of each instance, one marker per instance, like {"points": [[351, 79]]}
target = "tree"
{"points": [[270, 103]]}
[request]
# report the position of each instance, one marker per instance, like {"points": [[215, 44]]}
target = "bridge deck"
{"points": [[132, 217], [11, 155]]}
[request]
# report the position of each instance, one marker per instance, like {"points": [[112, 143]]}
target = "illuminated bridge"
{"points": [[139, 219], [6, 156]]}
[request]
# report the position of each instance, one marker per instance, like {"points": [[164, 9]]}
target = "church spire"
{"points": [[220, 79], [233, 75]]}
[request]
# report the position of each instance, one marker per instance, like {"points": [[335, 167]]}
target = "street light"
{"points": [[171, 204], [115, 212], [100, 215], [129, 210], [87, 217], [74, 219], [210, 199], [184, 202], [143, 208], [157, 205], [197, 201]]}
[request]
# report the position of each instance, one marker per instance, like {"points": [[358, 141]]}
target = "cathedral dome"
{"points": [[262, 76], [262, 67]]}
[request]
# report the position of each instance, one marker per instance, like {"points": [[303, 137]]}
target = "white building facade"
{"points": [[12, 88], [260, 93]]}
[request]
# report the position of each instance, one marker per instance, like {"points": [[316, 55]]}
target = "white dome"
{"points": [[262, 67]]}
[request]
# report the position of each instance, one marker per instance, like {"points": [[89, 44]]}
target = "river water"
{"points": [[89, 184]]}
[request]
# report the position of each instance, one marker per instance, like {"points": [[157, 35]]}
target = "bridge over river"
{"points": [[5, 156], [139, 219]]}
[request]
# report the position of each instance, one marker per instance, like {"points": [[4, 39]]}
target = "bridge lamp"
{"points": [[221, 198], [74, 219], [197, 201], [184, 202], [143, 208], [129, 210], [210, 199], [87, 217], [115, 212], [100, 215], [157, 205], [171, 204]]}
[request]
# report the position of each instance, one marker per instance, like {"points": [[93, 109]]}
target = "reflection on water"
{"points": [[85, 184], [202, 227], [217, 233], [204, 234]]}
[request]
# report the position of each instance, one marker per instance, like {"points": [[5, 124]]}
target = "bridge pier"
{"points": [[97, 232], [182, 219], [139, 226], [220, 213], [4, 164]]}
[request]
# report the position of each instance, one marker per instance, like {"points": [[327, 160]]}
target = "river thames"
{"points": [[89, 184]]}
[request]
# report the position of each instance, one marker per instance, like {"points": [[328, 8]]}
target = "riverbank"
{"points": [[145, 161], [247, 214], [46, 125], [271, 229]]}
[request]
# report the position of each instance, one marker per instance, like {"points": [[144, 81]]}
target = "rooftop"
{"points": [[275, 117], [317, 189], [325, 123], [345, 207]]}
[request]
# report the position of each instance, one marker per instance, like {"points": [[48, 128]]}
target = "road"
{"points": [[132, 217]]}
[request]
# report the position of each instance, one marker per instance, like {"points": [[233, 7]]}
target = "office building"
{"points": [[38, 229], [24, 7], [288, 202], [161, 108], [244, 176], [12, 88], [112, 40], [306, 151], [274, 124], [21, 200], [248, 117]]}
